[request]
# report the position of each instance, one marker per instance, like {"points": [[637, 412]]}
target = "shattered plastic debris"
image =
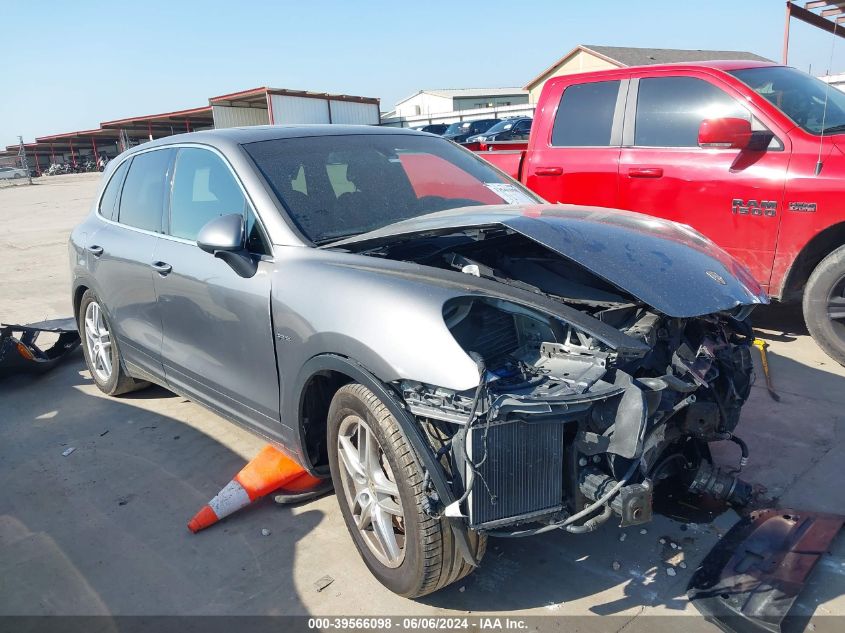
{"points": [[68, 451], [682, 565], [265, 532], [670, 571], [323, 582], [622, 537], [662, 541], [20, 352], [644, 531], [462, 589], [616, 565]]}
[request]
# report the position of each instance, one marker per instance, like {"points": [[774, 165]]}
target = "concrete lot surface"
{"points": [[102, 531]]}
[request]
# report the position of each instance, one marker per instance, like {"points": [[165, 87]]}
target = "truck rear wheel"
{"points": [[824, 305], [379, 486]]}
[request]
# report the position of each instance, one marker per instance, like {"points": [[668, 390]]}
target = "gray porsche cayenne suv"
{"points": [[462, 359]]}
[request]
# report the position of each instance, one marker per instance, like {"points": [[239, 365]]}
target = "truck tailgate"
{"points": [[509, 161]]}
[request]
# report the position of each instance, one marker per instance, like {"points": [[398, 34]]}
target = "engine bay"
{"points": [[563, 430]]}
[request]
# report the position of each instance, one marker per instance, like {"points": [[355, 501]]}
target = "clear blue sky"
{"points": [[69, 65]]}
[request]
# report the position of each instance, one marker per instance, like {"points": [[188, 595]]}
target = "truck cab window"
{"points": [[585, 115], [671, 109]]}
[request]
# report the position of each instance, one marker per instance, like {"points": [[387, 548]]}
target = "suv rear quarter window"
{"points": [[585, 115], [108, 203]]}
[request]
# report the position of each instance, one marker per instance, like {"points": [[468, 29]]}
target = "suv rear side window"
{"points": [[142, 200], [108, 203], [671, 109], [585, 115], [203, 189]]}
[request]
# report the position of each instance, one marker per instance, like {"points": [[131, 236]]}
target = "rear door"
{"points": [[121, 253], [576, 143], [733, 196], [218, 338]]}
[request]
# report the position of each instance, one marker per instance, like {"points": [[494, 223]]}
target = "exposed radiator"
{"points": [[523, 472]]}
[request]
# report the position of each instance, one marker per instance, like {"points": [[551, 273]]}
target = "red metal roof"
{"points": [[176, 114]]}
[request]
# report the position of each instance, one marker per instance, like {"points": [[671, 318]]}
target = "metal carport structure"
{"points": [[276, 106]]}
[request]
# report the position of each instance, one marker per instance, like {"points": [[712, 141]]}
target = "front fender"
{"points": [[409, 426]]}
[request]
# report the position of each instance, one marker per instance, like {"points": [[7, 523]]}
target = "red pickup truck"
{"points": [[750, 154]]}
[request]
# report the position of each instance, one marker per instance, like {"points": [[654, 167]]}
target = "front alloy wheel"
{"points": [[379, 484], [371, 491]]}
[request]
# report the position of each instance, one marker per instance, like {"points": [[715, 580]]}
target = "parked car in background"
{"points": [[459, 131], [517, 129], [394, 312], [11, 173], [751, 154], [434, 128]]}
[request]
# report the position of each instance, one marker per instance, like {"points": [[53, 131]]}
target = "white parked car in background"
{"points": [[12, 172]]}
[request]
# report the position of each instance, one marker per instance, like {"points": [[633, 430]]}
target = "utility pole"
{"points": [[24, 162]]}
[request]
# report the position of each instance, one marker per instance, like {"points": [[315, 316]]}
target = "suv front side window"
{"points": [[204, 188]]}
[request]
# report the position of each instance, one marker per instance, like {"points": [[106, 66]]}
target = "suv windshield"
{"points": [[457, 128], [799, 96], [501, 126], [337, 186]]}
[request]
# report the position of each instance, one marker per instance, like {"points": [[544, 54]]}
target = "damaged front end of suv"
{"points": [[610, 350]]}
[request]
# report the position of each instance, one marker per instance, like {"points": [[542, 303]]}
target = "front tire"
{"points": [[824, 305], [379, 486], [102, 354]]}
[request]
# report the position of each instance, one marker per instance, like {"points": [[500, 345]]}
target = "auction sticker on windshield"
{"points": [[509, 193]]}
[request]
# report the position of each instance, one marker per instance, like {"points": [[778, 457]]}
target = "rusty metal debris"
{"points": [[753, 576], [20, 352]]}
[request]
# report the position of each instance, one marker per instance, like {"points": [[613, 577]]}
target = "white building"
{"points": [[837, 81], [428, 102]]}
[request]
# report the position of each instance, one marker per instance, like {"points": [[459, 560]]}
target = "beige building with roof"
{"points": [[587, 57]]}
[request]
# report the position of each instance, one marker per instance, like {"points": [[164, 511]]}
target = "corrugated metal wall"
{"points": [[353, 113], [287, 110], [225, 116]]}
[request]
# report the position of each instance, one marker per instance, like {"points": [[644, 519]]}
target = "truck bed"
{"points": [[507, 156]]}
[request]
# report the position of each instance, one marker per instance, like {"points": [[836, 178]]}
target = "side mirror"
{"points": [[223, 237], [724, 133], [225, 233]]}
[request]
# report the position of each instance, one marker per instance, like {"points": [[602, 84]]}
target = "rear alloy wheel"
{"points": [[100, 348], [379, 485], [824, 305]]}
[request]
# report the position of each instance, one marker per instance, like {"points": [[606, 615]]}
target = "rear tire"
{"points": [[115, 381], [824, 305], [429, 559]]}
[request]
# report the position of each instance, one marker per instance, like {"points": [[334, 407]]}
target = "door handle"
{"points": [[95, 250], [162, 268], [645, 172], [549, 171]]}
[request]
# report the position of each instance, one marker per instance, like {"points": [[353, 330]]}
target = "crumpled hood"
{"points": [[666, 265]]}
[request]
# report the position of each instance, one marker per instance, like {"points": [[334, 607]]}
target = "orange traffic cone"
{"points": [[271, 469]]}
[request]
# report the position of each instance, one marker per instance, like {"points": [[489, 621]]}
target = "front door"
{"points": [[218, 339], [732, 196]]}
